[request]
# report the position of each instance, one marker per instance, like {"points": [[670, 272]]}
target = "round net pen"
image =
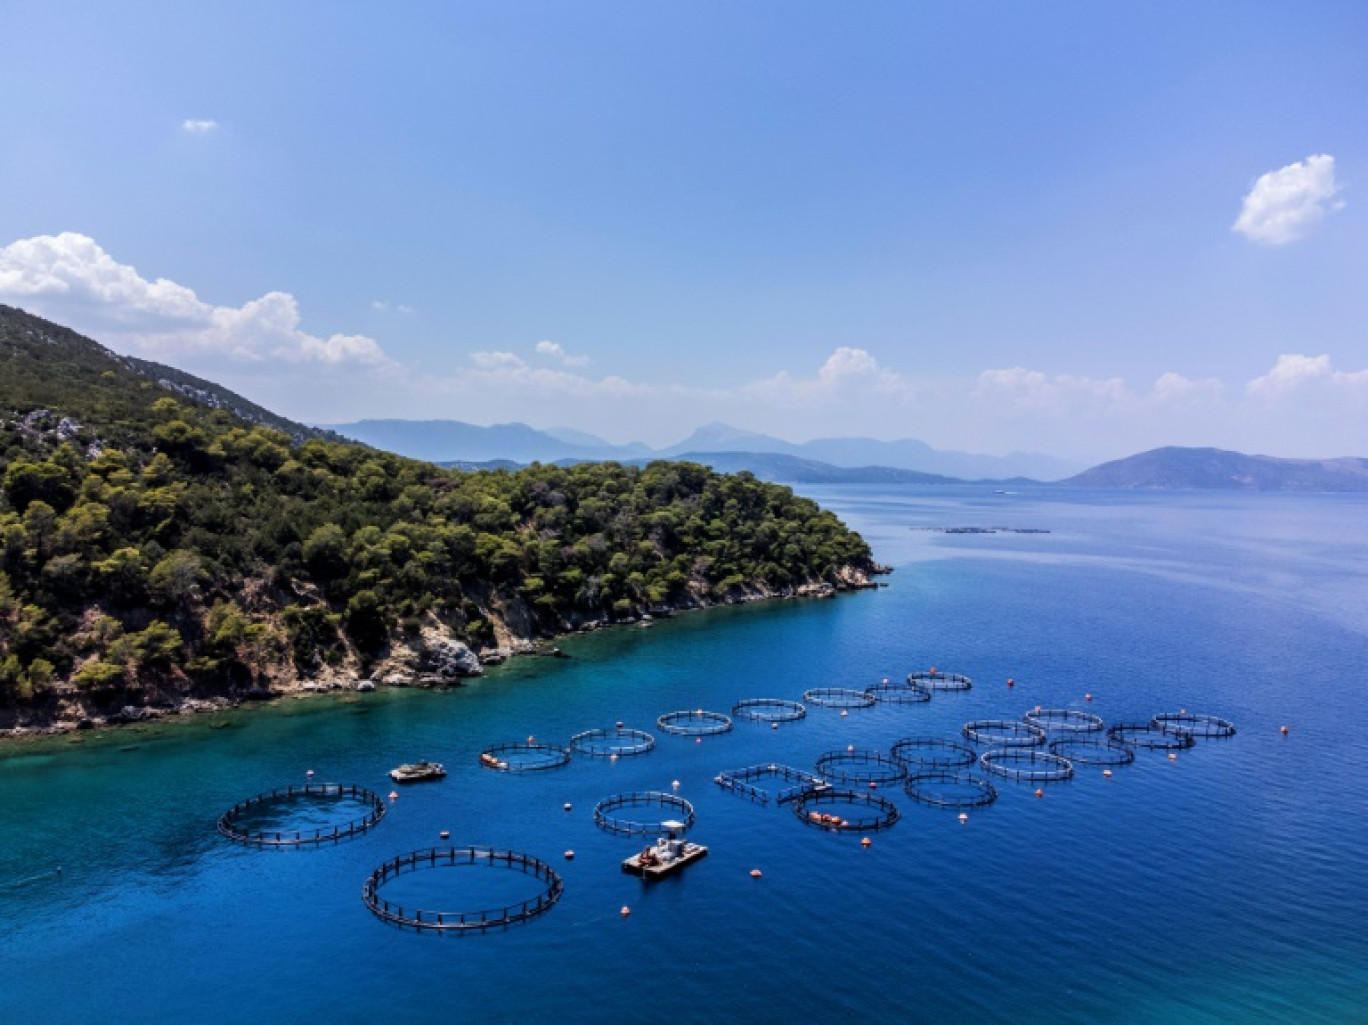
{"points": [[838, 697], [944, 788], [845, 810], [768, 710], [1149, 736], [696, 723], [611, 813], [1003, 733], [743, 781], [1025, 765], [932, 753], [1093, 750], [612, 742], [934, 679], [1198, 726], [1064, 720], [235, 823], [520, 756], [860, 767], [550, 889], [898, 692]]}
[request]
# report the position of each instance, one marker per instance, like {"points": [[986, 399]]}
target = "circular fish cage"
{"points": [[838, 697], [934, 679], [1093, 750], [1025, 765], [696, 723], [1003, 733], [550, 889], [608, 818], [870, 811], [948, 789], [860, 767], [932, 753], [522, 756], [1064, 720], [235, 823], [898, 693], [612, 742], [1198, 726], [1147, 735], [768, 710]]}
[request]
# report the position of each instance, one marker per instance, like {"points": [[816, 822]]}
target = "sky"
{"points": [[1079, 228]]}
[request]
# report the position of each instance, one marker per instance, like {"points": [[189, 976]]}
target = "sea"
{"points": [[1226, 884]]}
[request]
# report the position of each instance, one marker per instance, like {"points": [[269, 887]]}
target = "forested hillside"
{"points": [[153, 546]]}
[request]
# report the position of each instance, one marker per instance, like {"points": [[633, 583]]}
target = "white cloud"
{"points": [[557, 351], [1284, 205], [198, 126], [847, 372], [71, 279], [1057, 394], [497, 361], [1173, 387], [385, 306], [1296, 373]]}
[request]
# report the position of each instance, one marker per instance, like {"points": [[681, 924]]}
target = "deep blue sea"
{"points": [[1227, 885]]}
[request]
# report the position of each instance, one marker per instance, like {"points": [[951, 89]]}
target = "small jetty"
{"points": [[666, 856], [418, 772]]}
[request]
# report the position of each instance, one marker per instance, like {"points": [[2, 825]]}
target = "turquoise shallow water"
{"points": [[1228, 885]]}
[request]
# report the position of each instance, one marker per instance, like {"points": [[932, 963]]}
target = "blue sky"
{"points": [[1079, 228]]}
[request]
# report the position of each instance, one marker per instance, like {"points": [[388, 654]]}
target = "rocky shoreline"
{"points": [[433, 660]]}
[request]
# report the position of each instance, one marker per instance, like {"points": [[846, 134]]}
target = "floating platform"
{"points": [[418, 772], [659, 861]]}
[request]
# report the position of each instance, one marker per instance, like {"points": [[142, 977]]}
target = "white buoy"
{"points": [[674, 785], [963, 817]]}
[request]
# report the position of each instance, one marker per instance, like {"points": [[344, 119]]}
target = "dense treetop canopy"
{"points": [[143, 534]]}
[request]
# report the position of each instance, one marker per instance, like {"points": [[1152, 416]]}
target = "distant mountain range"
{"points": [[454, 442], [1172, 468]]}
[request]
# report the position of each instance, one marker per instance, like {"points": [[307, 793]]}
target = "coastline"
{"points": [[70, 712]]}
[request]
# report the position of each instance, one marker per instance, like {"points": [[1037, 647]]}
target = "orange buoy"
{"points": [[1284, 731], [963, 817], [625, 911], [569, 855], [674, 785], [865, 842], [1087, 697], [1173, 757], [1011, 682], [756, 873], [531, 739], [1039, 792], [933, 670], [394, 796], [613, 757]]}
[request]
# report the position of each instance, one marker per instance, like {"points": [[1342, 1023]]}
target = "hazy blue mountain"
{"points": [[904, 454], [786, 469], [1216, 468], [584, 439], [451, 441]]}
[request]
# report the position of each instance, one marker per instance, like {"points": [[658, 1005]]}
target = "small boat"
{"points": [[418, 772]]}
